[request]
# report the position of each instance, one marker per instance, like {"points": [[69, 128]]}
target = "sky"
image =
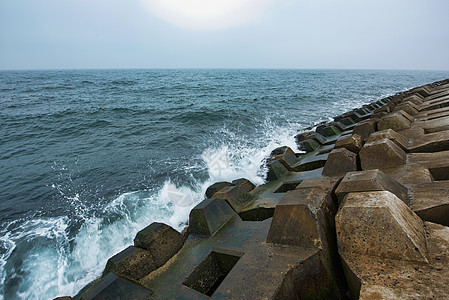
{"points": [[293, 34]]}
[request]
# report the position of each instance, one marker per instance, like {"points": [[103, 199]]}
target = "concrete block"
{"points": [[113, 287], [244, 184], [423, 91], [236, 196], [308, 145], [390, 134], [406, 115], [328, 184], [415, 99], [431, 202], [161, 240], [365, 128], [380, 224], [303, 218], [395, 121], [216, 187], [209, 216], [327, 130], [368, 181], [339, 162], [285, 156], [352, 143], [381, 154], [132, 263], [276, 170]]}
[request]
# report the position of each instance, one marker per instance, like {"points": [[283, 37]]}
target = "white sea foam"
{"points": [[59, 264]]}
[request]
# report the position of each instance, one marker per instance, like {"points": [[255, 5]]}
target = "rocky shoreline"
{"points": [[361, 213]]}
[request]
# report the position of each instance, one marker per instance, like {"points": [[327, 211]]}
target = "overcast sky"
{"points": [[346, 34]]}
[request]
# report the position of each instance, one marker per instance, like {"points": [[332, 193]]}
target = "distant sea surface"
{"points": [[88, 158]]}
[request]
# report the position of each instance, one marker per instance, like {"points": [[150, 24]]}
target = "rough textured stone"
{"points": [[285, 156], [365, 128], [339, 162], [303, 218], [352, 143], [216, 187], [368, 181], [381, 154], [236, 196], [380, 224], [415, 99], [244, 184], [161, 240], [408, 107], [327, 130], [395, 121], [423, 91], [431, 202], [390, 134], [209, 216], [113, 287], [132, 263], [308, 145], [275, 170]]}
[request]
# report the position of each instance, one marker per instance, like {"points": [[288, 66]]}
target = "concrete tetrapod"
{"points": [[379, 224]]}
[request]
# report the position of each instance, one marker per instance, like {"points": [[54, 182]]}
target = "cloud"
{"points": [[207, 14]]}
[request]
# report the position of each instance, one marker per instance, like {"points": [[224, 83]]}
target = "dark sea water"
{"points": [[88, 158]]}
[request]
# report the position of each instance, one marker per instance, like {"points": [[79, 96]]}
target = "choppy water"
{"points": [[88, 158]]}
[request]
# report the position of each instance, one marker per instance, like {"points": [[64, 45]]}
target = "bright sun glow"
{"points": [[207, 14]]}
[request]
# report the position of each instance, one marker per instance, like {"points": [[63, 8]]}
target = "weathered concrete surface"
{"points": [[113, 287], [368, 181], [339, 162], [276, 170], [381, 154], [352, 143], [303, 218], [285, 156], [381, 278], [395, 121], [161, 240], [132, 263], [209, 216], [365, 128], [390, 134], [236, 196], [216, 187], [262, 272], [431, 202]]}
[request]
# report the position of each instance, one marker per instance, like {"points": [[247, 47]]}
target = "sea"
{"points": [[90, 157]]}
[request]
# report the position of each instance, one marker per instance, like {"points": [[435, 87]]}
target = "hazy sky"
{"points": [[354, 34]]}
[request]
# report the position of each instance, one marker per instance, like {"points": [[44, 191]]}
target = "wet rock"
{"points": [[209, 216], [276, 170], [236, 196], [327, 130], [216, 187], [285, 156], [161, 240], [132, 263], [244, 184], [339, 162]]}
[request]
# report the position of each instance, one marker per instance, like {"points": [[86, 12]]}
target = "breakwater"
{"points": [[362, 213]]}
